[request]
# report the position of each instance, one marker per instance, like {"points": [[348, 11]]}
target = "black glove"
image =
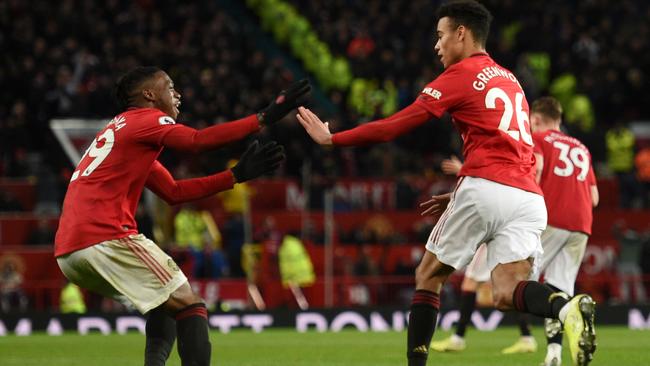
{"points": [[258, 160], [295, 96]]}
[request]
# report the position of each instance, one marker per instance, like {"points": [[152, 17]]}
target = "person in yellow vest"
{"points": [[620, 160], [296, 268], [72, 300], [197, 231]]}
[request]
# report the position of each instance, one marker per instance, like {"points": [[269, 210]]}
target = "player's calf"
{"points": [[161, 334], [194, 346]]}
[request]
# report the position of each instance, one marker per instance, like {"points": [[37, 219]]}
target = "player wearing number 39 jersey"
{"points": [[97, 244], [567, 179], [496, 200]]}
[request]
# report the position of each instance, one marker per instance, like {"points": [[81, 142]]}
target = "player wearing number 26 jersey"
{"points": [[490, 111], [496, 200]]}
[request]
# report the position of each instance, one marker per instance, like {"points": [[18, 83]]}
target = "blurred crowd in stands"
{"points": [[60, 60]]}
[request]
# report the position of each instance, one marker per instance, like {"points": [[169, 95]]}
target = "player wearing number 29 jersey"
{"points": [[97, 245], [105, 187]]}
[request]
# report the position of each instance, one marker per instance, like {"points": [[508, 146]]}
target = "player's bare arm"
{"points": [[318, 130], [595, 197], [451, 166], [539, 167], [436, 205]]}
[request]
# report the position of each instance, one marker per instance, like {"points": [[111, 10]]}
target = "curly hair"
{"points": [[127, 83], [468, 13]]}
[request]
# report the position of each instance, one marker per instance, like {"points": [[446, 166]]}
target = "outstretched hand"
{"points": [[296, 95], [317, 130], [258, 160], [452, 165], [436, 205]]}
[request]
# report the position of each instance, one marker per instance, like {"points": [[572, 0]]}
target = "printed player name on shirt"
{"points": [[554, 136], [491, 72]]}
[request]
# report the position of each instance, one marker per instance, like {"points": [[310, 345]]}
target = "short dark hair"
{"points": [[470, 14], [548, 107], [126, 84]]}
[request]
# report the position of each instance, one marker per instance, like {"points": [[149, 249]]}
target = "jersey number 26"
{"points": [[506, 118]]}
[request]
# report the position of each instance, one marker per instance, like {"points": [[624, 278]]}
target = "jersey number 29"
{"points": [[98, 154]]}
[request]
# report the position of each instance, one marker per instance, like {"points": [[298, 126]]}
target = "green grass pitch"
{"points": [[617, 346]]}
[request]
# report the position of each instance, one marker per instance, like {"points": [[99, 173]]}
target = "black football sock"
{"points": [[161, 334], [193, 340], [524, 328], [467, 306], [422, 324], [554, 332], [537, 299]]}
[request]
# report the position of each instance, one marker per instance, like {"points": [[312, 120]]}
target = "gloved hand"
{"points": [[296, 95], [258, 160]]}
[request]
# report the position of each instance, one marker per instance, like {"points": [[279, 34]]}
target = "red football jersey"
{"points": [[105, 188], [566, 181], [490, 111]]}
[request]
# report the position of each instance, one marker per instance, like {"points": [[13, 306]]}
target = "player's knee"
{"points": [[427, 278], [502, 299], [182, 298]]}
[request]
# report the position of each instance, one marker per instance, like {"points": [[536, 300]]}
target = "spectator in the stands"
{"points": [[620, 143], [43, 234], [12, 296], [9, 202], [196, 231], [628, 263], [642, 165]]}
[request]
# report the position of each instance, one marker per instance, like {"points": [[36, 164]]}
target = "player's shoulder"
{"points": [[149, 115], [479, 70], [540, 137], [551, 136]]}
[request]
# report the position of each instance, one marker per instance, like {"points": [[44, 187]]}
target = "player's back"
{"points": [[566, 180], [490, 110], [105, 187]]}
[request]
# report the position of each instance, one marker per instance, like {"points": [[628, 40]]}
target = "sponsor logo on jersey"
{"points": [[436, 94], [166, 120]]}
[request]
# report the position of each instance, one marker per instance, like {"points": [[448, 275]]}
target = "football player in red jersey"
{"points": [[566, 176], [97, 245], [496, 199]]}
